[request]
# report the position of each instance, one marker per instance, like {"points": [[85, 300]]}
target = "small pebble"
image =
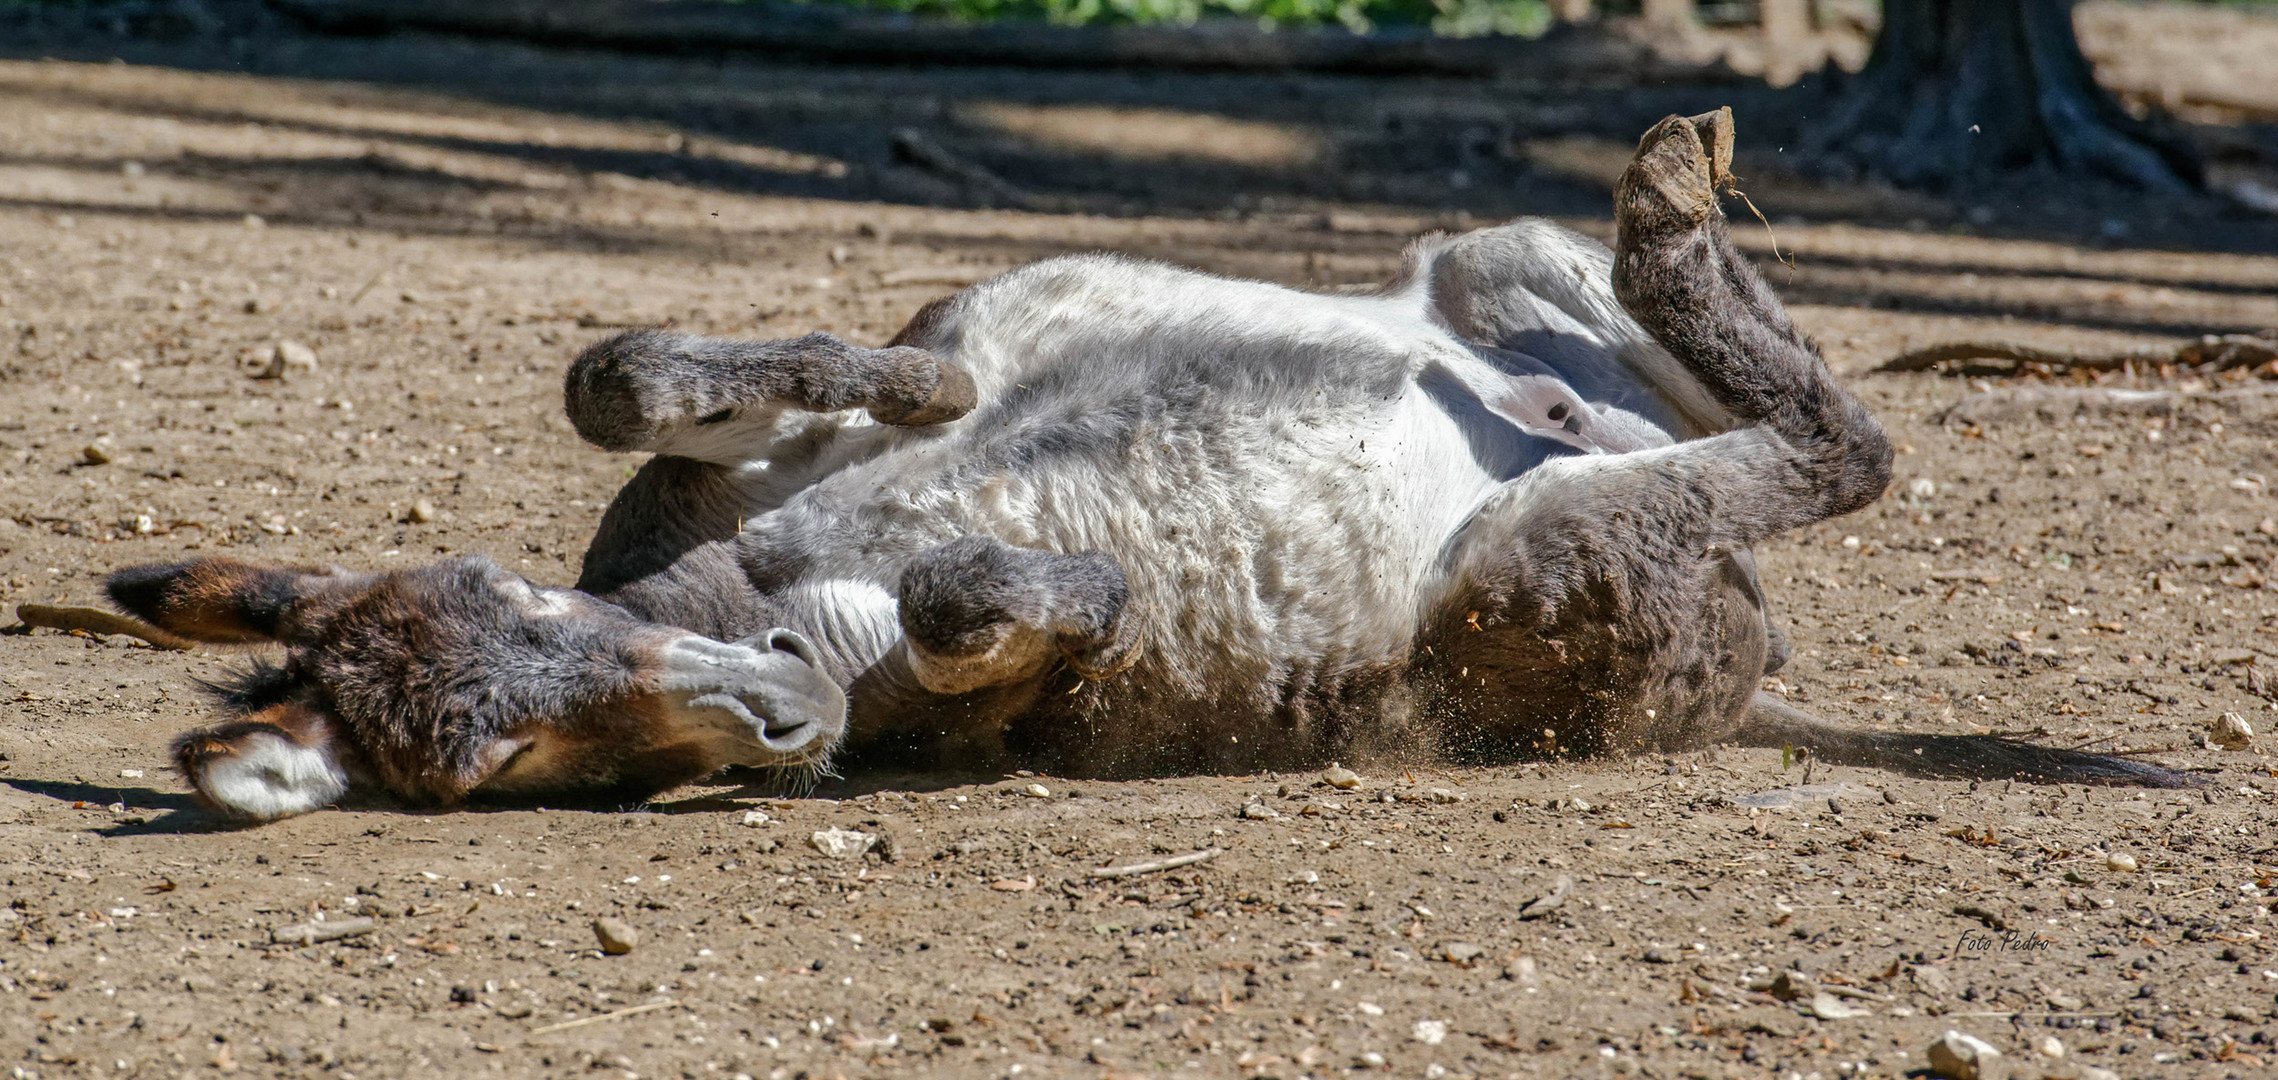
{"points": [[2120, 862], [756, 818], [1523, 972], [1444, 796], [422, 512], [1961, 1056], [286, 356], [2050, 1047], [95, 453], [1341, 778], [841, 843], [2231, 732], [616, 937], [1037, 791], [1791, 986], [1461, 952], [1827, 1006], [1258, 812]]}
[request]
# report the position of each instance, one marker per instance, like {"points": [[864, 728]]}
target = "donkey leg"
{"points": [[1619, 577], [659, 391], [1676, 272], [978, 612]]}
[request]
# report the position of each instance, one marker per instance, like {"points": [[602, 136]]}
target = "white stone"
{"points": [[1961, 1056], [842, 843], [2231, 732]]}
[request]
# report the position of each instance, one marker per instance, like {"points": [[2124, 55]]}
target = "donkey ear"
{"points": [[215, 600]]}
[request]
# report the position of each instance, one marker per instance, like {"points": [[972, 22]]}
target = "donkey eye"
{"points": [[723, 414]]}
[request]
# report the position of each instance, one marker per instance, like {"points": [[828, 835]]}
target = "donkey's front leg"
{"points": [[978, 612], [667, 393]]}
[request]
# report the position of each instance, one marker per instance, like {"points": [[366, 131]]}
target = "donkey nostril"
{"points": [[719, 417], [792, 642], [1558, 412]]}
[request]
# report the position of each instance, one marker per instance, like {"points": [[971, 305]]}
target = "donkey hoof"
{"points": [[1672, 181], [953, 396]]}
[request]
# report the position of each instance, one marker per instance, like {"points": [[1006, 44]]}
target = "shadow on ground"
{"points": [[437, 135]]}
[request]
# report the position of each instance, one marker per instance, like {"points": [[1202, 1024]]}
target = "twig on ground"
{"points": [[2003, 1014], [2210, 353], [98, 621], [583, 1021], [317, 933], [1172, 863], [1548, 902], [912, 146]]}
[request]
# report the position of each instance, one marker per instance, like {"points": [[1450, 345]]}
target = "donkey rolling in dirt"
{"points": [[1107, 517]]}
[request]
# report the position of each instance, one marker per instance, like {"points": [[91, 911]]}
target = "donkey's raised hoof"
{"points": [[979, 612], [717, 399]]}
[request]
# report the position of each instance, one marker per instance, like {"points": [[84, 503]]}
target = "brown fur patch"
{"points": [[923, 326]]}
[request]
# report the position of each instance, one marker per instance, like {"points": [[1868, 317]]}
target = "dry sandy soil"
{"points": [[445, 222]]}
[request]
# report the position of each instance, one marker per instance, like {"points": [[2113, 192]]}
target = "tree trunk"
{"points": [[1675, 15], [1788, 51], [1962, 88]]}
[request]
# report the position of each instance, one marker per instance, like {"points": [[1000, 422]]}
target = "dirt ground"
{"points": [[444, 223]]}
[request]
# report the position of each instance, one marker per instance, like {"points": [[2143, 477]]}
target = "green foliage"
{"points": [[1454, 17]]}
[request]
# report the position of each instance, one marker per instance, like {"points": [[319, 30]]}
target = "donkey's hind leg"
{"points": [[676, 393], [977, 612], [1617, 575]]}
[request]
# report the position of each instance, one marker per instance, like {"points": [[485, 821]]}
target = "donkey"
{"points": [[1108, 517]]}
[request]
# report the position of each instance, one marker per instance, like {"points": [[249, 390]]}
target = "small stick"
{"points": [[1172, 863], [2218, 353], [912, 146], [368, 286], [98, 621], [578, 1023], [2012, 1013], [317, 933], [1550, 901]]}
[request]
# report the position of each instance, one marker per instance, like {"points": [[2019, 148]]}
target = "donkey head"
{"points": [[434, 682]]}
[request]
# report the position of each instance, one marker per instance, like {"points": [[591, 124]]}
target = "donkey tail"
{"points": [[1771, 722]]}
